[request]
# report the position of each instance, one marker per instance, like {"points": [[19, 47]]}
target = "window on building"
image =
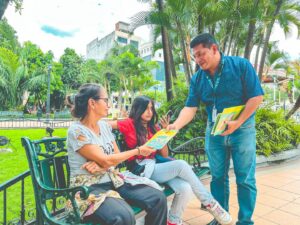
{"points": [[134, 43], [159, 55], [122, 40]]}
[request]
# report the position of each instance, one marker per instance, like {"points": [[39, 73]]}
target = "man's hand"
{"points": [[93, 168], [171, 127], [231, 127]]}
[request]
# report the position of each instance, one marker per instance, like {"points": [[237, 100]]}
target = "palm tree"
{"points": [[179, 12], [4, 4], [286, 13], [11, 76], [165, 42], [251, 28], [295, 66]]}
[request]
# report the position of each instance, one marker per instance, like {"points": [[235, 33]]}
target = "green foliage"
{"points": [[72, 68], [8, 37], [125, 71], [274, 133], [12, 73]]}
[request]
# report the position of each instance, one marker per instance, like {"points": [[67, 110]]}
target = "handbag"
{"points": [[134, 167]]}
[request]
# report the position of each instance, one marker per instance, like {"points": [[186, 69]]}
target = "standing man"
{"points": [[222, 82]]}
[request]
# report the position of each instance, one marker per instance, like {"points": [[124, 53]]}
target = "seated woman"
{"points": [[91, 147], [140, 127]]}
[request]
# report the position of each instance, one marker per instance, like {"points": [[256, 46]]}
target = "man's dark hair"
{"points": [[206, 39]]}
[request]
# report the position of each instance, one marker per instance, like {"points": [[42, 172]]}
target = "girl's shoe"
{"points": [[169, 223], [220, 214]]}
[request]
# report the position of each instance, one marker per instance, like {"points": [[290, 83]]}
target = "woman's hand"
{"points": [[93, 168], [164, 121], [146, 150]]}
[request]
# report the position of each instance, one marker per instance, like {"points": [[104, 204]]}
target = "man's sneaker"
{"points": [[220, 214]]}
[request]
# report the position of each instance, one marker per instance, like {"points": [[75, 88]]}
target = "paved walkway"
{"points": [[278, 199]]}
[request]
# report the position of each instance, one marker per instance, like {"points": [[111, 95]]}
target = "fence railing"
{"points": [[34, 123], [25, 216]]}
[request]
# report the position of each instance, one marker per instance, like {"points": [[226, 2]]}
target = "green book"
{"points": [[228, 114]]}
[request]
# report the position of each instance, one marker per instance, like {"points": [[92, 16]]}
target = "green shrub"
{"points": [[274, 133]]}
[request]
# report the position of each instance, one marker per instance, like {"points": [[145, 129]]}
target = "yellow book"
{"points": [[228, 114], [161, 138]]}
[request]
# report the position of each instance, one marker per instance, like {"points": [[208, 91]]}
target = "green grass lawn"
{"points": [[13, 164]]}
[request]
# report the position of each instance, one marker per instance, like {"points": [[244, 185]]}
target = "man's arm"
{"points": [[250, 107], [185, 116]]}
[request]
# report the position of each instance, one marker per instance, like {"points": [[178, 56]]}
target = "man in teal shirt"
{"points": [[222, 82]]}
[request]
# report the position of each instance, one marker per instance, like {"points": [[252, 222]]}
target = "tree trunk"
{"points": [[230, 41], [3, 7], [166, 50], [200, 25], [172, 64], [237, 52], [188, 52], [226, 36], [251, 30], [294, 109], [267, 38], [184, 55], [257, 52]]}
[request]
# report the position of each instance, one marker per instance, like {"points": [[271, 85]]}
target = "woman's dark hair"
{"points": [[138, 107], [79, 102]]}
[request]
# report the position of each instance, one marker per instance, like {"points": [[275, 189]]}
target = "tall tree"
{"points": [[72, 69], [8, 37], [167, 60], [251, 28], [295, 66], [4, 4], [286, 13]]}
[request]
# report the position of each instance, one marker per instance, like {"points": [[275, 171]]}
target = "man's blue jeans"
{"points": [[241, 146]]}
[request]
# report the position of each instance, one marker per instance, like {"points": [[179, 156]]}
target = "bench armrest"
{"points": [[69, 194], [189, 146]]}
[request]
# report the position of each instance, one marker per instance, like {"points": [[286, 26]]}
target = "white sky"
{"points": [[88, 19]]}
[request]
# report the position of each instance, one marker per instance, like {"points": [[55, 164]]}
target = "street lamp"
{"points": [[48, 94], [155, 89]]}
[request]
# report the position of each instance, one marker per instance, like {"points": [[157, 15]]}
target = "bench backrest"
{"points": [[48, 162]]}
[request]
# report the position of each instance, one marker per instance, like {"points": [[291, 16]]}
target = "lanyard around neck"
{"points": [[218, 77]]}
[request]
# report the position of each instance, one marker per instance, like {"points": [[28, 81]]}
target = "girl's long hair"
{"points": [[138, 107]]}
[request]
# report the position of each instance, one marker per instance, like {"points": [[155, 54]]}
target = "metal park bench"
{"points": [[50, 172]]}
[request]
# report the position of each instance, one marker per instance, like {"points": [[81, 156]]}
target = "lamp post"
{"points": [[155, 89], [274, 88], [48, 94]]}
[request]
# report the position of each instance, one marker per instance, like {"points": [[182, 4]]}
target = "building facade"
{"points": [[98, 48]]}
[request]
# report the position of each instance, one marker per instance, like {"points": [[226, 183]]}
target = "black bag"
{"points": [[134, 167]]}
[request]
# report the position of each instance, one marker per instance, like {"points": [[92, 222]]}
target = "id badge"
{"points": [[214, 114]]}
